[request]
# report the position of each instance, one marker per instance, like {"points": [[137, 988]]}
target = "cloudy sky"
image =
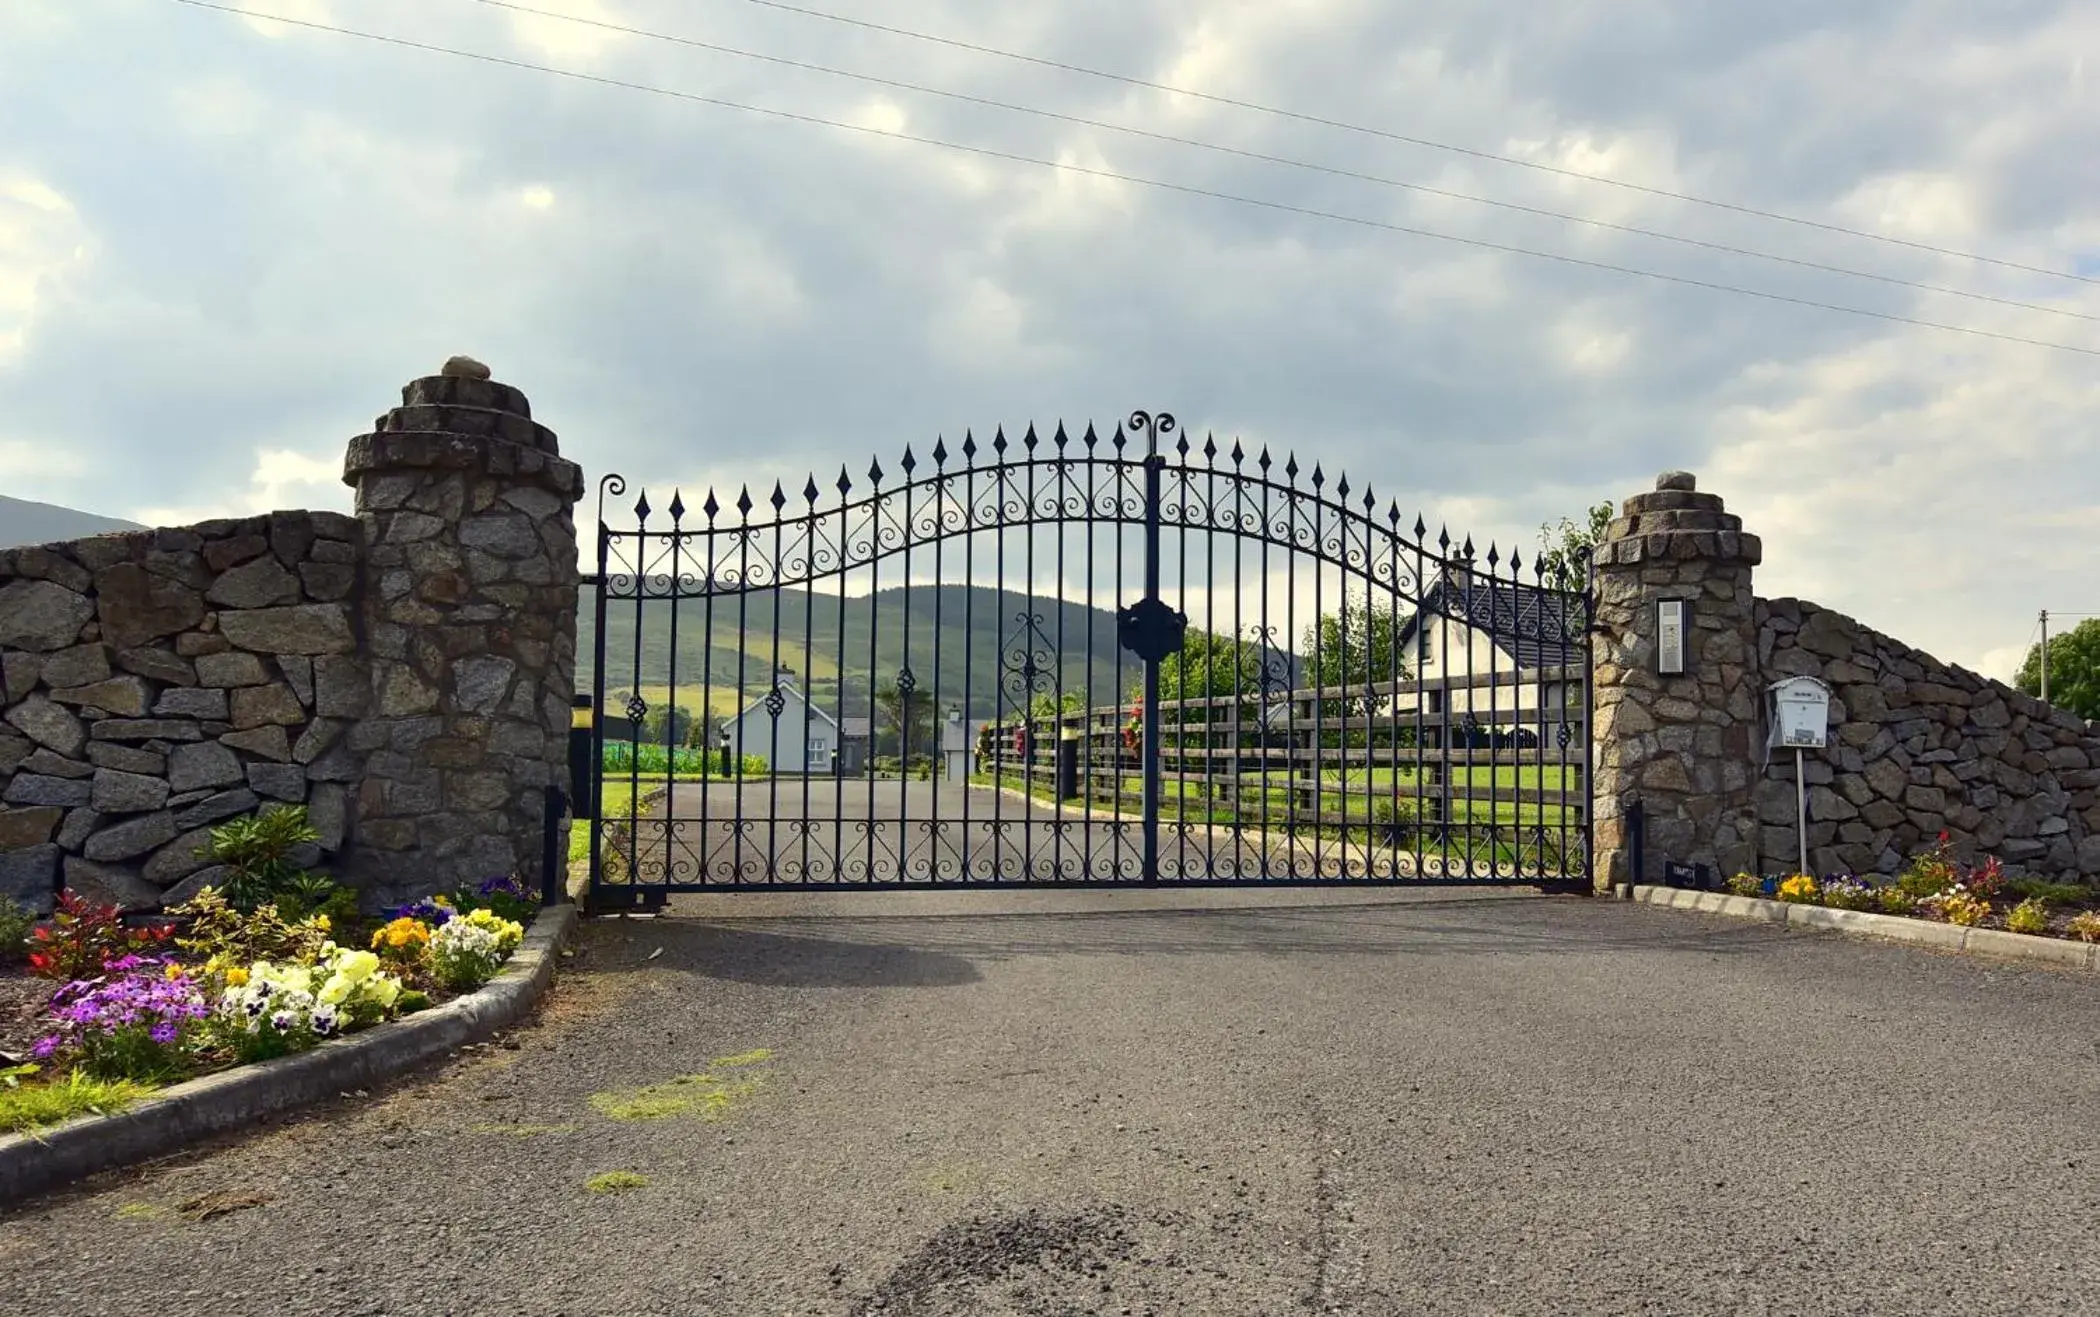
{"points": [[225, 243]]}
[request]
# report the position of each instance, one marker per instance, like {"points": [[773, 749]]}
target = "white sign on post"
{"points": [[1800, 713]]}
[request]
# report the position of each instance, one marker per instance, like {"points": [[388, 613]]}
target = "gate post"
{"points": [[470, 616], [1683, 744]]}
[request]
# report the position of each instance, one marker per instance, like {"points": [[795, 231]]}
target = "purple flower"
{"points": [[162, 1033], [44, 1047]]}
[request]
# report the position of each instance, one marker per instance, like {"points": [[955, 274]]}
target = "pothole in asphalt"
{"points": [[1007, 1250]]}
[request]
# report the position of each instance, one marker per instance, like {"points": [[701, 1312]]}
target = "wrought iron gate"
{"points": [[1081, 660]]}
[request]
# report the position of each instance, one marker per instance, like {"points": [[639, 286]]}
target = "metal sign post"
{"points": [[1801, 799]]}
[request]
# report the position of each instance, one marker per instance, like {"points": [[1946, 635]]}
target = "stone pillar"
{"points": [[470, 618], [1687, 747]]}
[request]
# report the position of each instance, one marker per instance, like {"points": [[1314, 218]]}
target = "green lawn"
{"points": [[1185, 802]]}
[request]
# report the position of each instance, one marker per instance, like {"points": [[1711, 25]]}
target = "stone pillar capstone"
{"points": [[470, 622], [1686, 747]]}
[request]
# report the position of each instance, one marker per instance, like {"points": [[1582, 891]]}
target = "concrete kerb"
{"points": [[1947, 937], [32, 1164]]}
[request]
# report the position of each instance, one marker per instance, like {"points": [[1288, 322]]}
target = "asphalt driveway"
{"points": [[1261, 1103]]}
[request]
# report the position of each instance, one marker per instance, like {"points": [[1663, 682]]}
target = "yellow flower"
{"points": [[174, 971], [236, 977], [1800, 888], [321, 922]]}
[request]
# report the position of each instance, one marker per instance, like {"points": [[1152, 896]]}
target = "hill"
{"points": [[825, 640], [23, 522]]}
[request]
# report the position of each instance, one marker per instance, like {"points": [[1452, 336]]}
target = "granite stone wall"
{"points": [[406, 673], [1919, 747], [472, 621], [159, 682], [1679, 744]]}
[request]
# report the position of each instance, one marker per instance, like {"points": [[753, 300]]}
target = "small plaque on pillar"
{"points": [[1669, 637]]}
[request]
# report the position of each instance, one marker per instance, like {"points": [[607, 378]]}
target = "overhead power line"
{"points": [[1477, 154], [921, 89], [1137, 180]]}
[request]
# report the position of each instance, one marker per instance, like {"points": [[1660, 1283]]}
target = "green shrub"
{"points": [[257, 852], [223, 937], [15, 923], [2048, 893], [1745, 884], [1895, 900], [2029, 916], [1930, 872]]}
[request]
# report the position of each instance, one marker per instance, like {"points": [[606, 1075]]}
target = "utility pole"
{"points": [[2045, 656]]}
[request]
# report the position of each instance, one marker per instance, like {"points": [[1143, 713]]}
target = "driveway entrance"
{"points": [[1049, 1102]]}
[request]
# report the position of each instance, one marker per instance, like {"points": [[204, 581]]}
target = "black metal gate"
{"points": [[1077, 660]]}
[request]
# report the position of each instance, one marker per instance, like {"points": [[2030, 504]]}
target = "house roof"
{"points": [[788, 689], [854, 726], [1539, 628]]}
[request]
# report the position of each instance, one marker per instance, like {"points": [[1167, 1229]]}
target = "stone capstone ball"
{"points": [[1683, 480], [465, 366]]}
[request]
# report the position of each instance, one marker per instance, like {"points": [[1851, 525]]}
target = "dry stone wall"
{"points": [[157, 683], [1919, 747], [406, 673]]}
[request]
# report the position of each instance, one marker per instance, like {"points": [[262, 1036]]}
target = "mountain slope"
{"points": [[23, 522], [825, 640]]}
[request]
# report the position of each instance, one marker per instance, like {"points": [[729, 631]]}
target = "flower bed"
{"points": [[1935, 886], [275, 961]]}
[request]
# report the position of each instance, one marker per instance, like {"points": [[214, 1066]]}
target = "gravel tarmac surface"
{"points": [[1039, 1104]]}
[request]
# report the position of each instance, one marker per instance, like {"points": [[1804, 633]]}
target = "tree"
{"points": [[1564, 548], [1208, 665], [1356, 646], [891, 707], [2074, 670], [670, 725], [1047, 707]]}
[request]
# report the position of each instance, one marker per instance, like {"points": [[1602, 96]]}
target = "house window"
{"points": [[1425, 644], [818, 749]]}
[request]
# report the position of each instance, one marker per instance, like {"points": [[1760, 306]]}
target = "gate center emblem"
{"points": [[1150, 629]]}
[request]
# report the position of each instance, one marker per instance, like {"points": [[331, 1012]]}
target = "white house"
{"points": [[783, 728], [1476, 631]]}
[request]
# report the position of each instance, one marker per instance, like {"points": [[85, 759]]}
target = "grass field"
{"points": [[1185, 802]]}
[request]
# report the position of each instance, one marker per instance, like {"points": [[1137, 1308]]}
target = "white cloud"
{"points": [[563, 40], [309, 11], [282, 479], [260, 239], [42, 241]]}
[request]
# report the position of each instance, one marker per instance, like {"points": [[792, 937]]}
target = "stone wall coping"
{"points": [[1949, 937], [34, 561], [32, 1164], [395, 450]]}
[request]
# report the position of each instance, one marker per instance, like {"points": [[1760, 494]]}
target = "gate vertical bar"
{"points": [[1588, 818], [1149, 764], [615, 485]]}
